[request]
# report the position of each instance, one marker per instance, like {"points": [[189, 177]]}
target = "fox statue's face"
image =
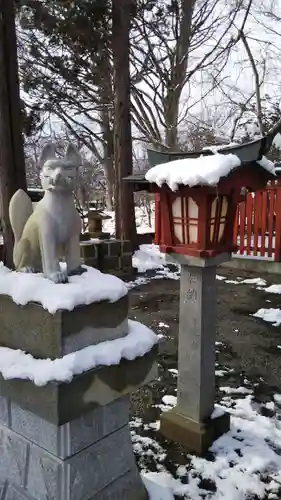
{"points": [[59, 174]]}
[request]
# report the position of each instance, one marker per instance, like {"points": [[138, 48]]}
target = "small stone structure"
{"points": [[69, 441], [95, 219], [108, 255]]}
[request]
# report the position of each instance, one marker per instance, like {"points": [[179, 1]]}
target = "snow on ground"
{"points": [[277, 398], [238, 390], [159, 485], [159, 275], [169, 400], [144, 225], [173, 371], [163, 325], [248, 281], [243, 464], [149, 258], [273, 289], [91, 286], [269, 315], [253, 281], [16, 364]]}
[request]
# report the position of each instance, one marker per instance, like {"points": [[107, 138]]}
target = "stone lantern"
{"points": [[95, 219], [197, 196]]}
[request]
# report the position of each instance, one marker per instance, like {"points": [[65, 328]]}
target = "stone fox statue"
{"points": [[52, 230]]}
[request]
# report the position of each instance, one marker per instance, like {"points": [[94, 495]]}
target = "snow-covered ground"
{"points": [[270, 315], [142, 220], [149, 258], [245, 463]]}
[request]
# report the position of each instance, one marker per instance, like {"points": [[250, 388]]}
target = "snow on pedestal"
{"points": [[16, 364], [91, 286]]}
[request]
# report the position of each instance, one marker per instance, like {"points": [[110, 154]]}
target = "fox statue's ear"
{"points": [[73, 156], [48, 152]]}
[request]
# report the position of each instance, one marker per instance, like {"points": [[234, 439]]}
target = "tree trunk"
{"points": [[171, 119], [12, 168], [106, 91], [108, 156], [178, 75], [123, 157]]}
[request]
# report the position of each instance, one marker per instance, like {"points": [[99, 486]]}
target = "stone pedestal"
{"points": [[70, 441], [33, 329], [190, 422], [89, 457]]}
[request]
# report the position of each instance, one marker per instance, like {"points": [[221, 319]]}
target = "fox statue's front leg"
{"points": [[72, 248], [50, 261], [72, 256]]}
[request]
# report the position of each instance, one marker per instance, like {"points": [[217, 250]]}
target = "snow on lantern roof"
{"points": [[201, 171], [205, 170]]}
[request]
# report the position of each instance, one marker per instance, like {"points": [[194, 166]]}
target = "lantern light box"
{"points": [[197, 197], [196, 224]]}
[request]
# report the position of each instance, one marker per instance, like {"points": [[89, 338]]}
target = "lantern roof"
{"points": [[200, 171], [202, 168]]}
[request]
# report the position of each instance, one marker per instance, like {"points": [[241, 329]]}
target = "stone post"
{"points": [[69, 441], [190, 422]]}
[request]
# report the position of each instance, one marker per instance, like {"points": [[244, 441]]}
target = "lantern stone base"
{"points": [[196, 437]]}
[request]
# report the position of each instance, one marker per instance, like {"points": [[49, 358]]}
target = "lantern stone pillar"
{"points": [[191, 422]]}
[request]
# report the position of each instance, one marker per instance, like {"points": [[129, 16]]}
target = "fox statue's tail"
{"points": [[20, 209]]}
